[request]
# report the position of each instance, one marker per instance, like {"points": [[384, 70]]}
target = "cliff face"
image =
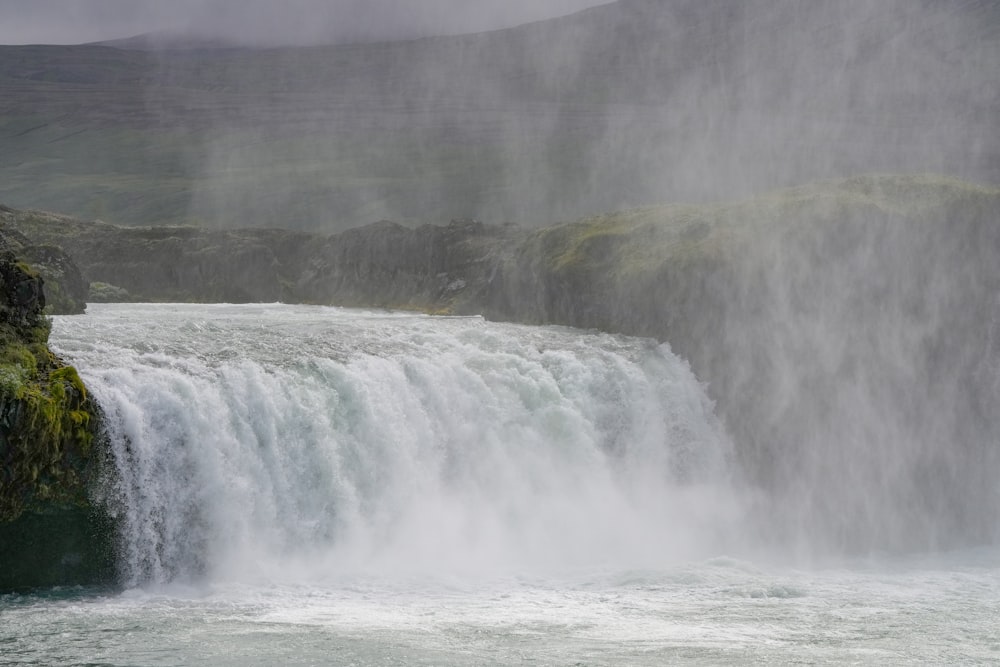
{"points": [[170, 263], [848, 331], [65, 288], [47, 452], [429, 268]]}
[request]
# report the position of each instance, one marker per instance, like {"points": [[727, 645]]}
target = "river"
{"points": [[302, 485]]}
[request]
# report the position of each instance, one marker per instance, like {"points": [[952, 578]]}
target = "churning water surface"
{"points": [[305, 485]]}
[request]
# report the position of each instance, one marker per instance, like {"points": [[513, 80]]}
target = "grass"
{"points": [[624, 105], [631, 243]]}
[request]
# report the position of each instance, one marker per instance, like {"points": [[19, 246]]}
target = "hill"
{"points": [[631, 103]]}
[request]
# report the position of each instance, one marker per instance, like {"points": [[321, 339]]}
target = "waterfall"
{"points": [[302, 442]]}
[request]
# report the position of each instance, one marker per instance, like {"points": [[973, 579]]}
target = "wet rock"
{"points": [[48, 458]]}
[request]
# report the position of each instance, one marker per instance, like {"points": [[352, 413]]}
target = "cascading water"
{"points": [[288, 442], [302, 485]]}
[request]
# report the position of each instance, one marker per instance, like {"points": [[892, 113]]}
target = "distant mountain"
{"points": [[169, 40], [624, 104]]}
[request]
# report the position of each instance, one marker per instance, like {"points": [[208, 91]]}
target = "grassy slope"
{"points": [[628, 103], [628, 244]]}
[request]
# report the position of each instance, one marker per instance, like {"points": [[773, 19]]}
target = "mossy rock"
{"points": [[65, 288], [101, 292], [49, 532], [46, 431]]}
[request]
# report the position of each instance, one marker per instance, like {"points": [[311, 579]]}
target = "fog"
{"points": [[854, 356], [618, 105], [623, 105]]}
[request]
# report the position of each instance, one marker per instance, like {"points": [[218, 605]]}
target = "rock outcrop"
{"points": [[65, 288], [849, 333], [822, 319], [47, 451], [169, 263]]}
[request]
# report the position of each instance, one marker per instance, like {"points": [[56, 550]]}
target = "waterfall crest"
{"points": [[276, 441]]}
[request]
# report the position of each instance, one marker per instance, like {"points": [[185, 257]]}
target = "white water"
{"points": [[293, 443], [302, 485]]}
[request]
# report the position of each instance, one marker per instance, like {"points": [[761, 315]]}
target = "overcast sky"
{"points": [[266, 21]]}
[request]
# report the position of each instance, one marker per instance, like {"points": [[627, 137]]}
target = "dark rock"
{"points": [[844, 329], [56, 547], [65, 290], [21, 297], [47, 453]]}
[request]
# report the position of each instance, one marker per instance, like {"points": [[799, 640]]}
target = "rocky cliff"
{"points": [[65, 288], [847, 331], [170, 263], [49, 534], [822, 319]]}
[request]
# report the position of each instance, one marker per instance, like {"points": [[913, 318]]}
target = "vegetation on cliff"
{"points": [[47, 453], [822, 317], [624, 104], [46, 434], [65, 287]]}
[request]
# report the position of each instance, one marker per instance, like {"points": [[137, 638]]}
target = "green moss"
{"points": [[641, 242], [68, 376], [101, 292], [50, 534], [46, 434], [19, 359]]}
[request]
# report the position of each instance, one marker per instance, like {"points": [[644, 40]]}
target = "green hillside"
{"points": [[623, 105]]}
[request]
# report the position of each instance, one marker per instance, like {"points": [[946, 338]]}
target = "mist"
{"points": [[847, 331], [623, 105], [641, 332], [617, 105]]}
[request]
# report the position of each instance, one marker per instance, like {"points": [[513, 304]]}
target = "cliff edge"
{"points": [[49, 533], [824, 320]]}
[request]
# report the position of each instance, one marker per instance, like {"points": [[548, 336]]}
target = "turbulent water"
{"points": [[304, 485]]}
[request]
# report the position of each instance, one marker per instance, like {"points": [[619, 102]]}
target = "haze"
{"points": [[264, 22]]}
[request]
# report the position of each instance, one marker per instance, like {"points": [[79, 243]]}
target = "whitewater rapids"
{"points": [[300, 485], [282, 442]]}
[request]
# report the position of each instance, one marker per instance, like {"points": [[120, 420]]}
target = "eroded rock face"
{"points": [[435, 268], [172, 263], [21, 297], [65, 288], [846, 330], [47, 451], [432, 267]]}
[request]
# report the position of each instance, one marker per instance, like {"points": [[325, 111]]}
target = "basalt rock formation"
{"points": [[822, 319], [65, 288], [169, 263], [49, 533], [847, 331]]}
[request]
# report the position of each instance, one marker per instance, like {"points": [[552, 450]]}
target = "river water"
{"points": [[309, 486]]}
